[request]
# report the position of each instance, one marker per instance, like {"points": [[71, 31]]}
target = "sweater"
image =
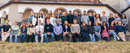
{"points": [[63, 18], [110, 20], [58, 29], [30, 30], [59, 19], [117, 19], [75, 28], [104, 19], [124, 21], [48, 28], [97, 28], [14, 29], [70, 18], [85, 18], [91, 19], [78, 18], [53, 21], [120, 29]]}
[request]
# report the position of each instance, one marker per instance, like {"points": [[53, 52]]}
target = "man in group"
{"points": [[48, 29], [84, 18], [77, 17], [58, 31], [70, 18], [75, 29], [39, 32], [104, 18], [31, 17], [5, 31], [66, 31]]}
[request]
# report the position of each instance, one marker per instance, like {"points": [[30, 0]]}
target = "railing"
{"points": [[95, 1]]}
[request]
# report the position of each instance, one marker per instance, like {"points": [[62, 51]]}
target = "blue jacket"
{"points": [[120, 29], [68, 29]]}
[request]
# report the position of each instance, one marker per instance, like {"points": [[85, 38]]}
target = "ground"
{"points": [[66, 47]]}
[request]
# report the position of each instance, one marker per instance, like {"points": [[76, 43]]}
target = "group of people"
{"points": [[67, 27]]}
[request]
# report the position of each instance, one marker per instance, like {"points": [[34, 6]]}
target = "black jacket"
{"points": [[23, 31], [68, 29], [91, 29], [70, 18], [48, 28], [102, 28]]}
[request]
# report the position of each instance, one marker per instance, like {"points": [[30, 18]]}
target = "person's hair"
{"points": [[57, 16], [103, 23], [40, 14], [64, 14], [7, 20], [94, 15], [23, 25], [84, 11], [35, 16], [99, 17], [124, 15], [95, 23], [70, 11], [103, 12], [83, 26], [111, 15], [47, 16]]}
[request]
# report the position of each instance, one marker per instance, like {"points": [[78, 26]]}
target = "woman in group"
{"points": [[104, 32], [50, 13], [97, 29], [124, 20], [23, 32], [98, 19], [91, 32], [64, 17], [53, 20], [14, 31], [30, 32], [84, 32], [35, 20], [58, 18], [111, 19], [41, 17], [112, 30], [94, 15], [47, 17]]}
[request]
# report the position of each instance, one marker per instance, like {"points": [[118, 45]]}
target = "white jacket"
{"points": [[34, 20]]}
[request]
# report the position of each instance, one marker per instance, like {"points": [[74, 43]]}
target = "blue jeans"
{"points": [[58, 37], [84, 35], [11, 36], [98, 37], [76, 35], [39, 36], [92, 37], [22, 37], [30, 36], [106, 38], [52, 37], [113, 34]]}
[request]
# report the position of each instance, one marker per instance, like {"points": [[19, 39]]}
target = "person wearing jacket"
{"points": [[30, 32], [84, 32], [58, 31], [91, 31], [48, 29], [31, 17], [70, 18], [104, 32], [66, 31], [75, 29], [85, 18], [42, 18], [97, 29], [91, 18], [23, 32], [64, 17], [39, 29], [53, 20], [77, 17], [120, 30], [14, 32], [35, 20], [111, 19]]}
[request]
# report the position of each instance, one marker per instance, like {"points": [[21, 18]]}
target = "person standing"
{"points": [[75, 29], [77, 17], [111, 19], [31, 17], [53, 20], [58, 18], [120, 30], [42, 18], [84, 32], [91, 18], [117, 18], [98, 19], [64, 17], [48, 29], [70, 18], [91, 31], [66, 31], [97, 29], [58, 31], [35, 20], [47, 18], [104, 17], [85, 18], [39, 29], [23, 32], [14, 32], [5, 31], [30, 32]]}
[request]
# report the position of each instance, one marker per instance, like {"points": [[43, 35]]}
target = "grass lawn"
{"points": [[66, 47]]}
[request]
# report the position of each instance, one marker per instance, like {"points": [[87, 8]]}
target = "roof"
{"points": [[59, 3], [125, 9]]}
